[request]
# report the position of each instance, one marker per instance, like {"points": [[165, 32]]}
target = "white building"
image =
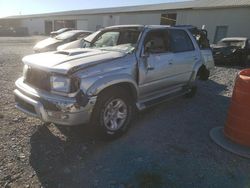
{"points": [[221, 18]]}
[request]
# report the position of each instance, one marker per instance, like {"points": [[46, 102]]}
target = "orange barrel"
{"points": [[237, 126]]}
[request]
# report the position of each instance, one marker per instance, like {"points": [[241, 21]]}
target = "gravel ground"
{"points": [[167, 146]]}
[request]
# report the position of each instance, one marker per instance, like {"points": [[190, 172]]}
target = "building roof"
{"points": [[191, 4]]}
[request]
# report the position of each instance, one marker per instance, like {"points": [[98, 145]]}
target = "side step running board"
{"points": [[150, 103]]}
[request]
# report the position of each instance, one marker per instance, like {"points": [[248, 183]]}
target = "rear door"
{"points": [[203, 43], [184, 55]]}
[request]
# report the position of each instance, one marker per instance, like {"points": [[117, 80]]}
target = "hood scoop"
{"points": [[68, 53]]}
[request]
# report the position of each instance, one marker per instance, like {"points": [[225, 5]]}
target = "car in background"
{"points": [[234, 50], [80, 43], [50, 44], [60, 31]]}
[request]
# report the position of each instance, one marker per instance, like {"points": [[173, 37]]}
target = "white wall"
{"points": [[82, 24], [237, 20], [34, 25]]}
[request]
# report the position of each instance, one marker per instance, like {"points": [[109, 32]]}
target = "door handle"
{"points": [[150, 68]]}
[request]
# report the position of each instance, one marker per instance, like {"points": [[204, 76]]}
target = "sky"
{"points": [[24, 7]]}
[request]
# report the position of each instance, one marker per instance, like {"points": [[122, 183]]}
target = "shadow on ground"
{"points": [[167, 146]]}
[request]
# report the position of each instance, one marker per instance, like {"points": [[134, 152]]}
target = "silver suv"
{"points": [[123, 69]]}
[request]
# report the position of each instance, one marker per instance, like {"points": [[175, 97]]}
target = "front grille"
{"points": [[23, 104], [37, 78]]}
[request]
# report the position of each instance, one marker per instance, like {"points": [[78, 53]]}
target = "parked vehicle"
{"points": [[235, 50], [60, 31], [80, 43], [50, 44], [124, 68]]}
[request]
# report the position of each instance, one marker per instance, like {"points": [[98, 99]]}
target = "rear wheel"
{"points": [[112, 114], [203, 73]]}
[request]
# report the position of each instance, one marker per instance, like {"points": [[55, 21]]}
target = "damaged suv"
{"points": [[123, 69]]}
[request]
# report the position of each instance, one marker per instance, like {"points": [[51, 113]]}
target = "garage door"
{"points": [[82, 24]]}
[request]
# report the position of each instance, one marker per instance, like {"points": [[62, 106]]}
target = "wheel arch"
{"points": [[105, 84]]}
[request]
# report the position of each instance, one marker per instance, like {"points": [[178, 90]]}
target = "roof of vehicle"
{"points": [[234, 39], [124, 26], [145, 26], [79, 31]]}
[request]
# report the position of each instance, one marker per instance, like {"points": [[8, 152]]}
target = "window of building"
{"points": [[220, 33], [168, 19], [48, 27], [58, 24], [180, 41]]}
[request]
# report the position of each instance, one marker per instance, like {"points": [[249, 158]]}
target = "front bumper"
{"points": [[50, 107]]}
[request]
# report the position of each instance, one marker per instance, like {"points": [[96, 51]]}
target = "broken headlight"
{"points": [[60, 84]]}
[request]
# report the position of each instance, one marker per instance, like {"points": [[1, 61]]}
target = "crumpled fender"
{"points": [[112, 80]]}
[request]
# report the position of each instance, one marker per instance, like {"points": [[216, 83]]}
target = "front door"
{"points": [[156, 62]]}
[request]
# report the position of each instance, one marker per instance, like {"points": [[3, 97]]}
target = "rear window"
{"points": [[201, 37], [180, 41]]}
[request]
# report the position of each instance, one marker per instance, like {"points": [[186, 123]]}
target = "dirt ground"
{"points": [[167, 146]]}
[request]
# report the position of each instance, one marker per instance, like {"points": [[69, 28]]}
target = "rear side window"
{"points": [[180, 41], [201, 38]]}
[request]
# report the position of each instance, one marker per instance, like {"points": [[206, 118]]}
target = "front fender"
{"points": [[111, 80]]}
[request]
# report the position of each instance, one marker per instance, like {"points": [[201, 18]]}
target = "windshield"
{"points": [[236, 43], [65, 35], [126, 39], [92, 36]]}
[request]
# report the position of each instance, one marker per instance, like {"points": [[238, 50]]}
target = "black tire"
{"points": [[203, 74], [192, 92], [104, 99]]}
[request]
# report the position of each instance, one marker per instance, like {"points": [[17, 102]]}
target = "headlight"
{"points": [[60, 84]]}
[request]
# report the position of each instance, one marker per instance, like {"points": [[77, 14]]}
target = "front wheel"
{"points": [[112, 114]]}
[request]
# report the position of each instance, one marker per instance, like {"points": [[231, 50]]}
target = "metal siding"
{"points": [[237, 20], [196, 4], [35, 26]]}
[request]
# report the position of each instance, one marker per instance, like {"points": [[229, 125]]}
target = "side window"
{"points": [[156, 42], [180, 41]]}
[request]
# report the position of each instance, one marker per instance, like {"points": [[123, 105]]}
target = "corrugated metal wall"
{"points": [[237, 20]]}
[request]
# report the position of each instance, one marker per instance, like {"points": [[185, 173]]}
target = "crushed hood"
{"points": [[69, 61]]}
